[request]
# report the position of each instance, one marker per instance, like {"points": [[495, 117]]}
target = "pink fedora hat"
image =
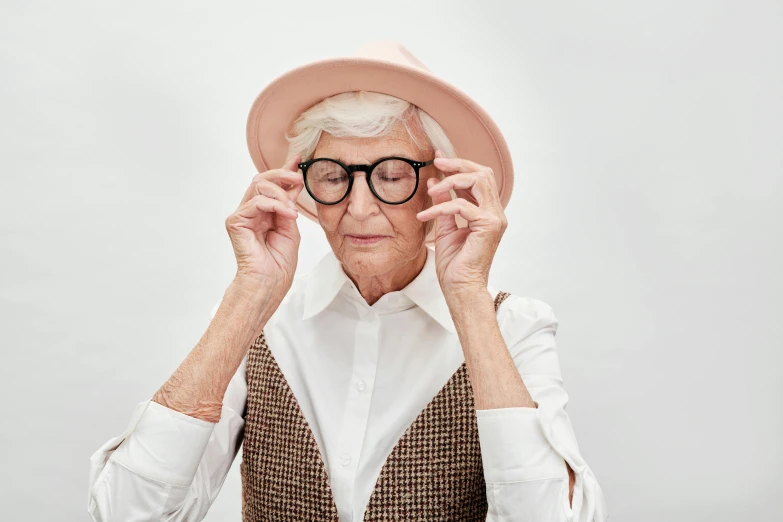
{"points": [[379, 66]]}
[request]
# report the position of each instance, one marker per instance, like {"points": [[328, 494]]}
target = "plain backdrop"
{"points": [[646, 139]]}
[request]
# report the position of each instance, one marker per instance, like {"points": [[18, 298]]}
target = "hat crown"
{"points": [[390, 51]]}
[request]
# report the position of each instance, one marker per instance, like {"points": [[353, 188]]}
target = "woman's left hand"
{"points": [[463, 256]]}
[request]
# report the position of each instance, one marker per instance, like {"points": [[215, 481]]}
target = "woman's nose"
{"points": [[362, 203]]}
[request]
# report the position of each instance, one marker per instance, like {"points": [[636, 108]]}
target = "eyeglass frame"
{"points": [[367, 169]]}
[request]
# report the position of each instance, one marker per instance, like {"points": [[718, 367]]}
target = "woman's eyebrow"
{"points": [[396, 154]]}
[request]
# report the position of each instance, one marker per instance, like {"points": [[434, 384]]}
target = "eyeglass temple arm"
{"points": [[415, 163]]}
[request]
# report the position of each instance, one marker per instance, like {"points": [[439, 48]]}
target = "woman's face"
{"points": [[397, 236]]}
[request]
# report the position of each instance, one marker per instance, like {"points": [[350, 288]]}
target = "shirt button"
{"points": [[360, 385], [345, 459]]}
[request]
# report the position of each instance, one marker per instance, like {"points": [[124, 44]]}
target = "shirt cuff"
{"points": [[165, 445], [514, 447]]}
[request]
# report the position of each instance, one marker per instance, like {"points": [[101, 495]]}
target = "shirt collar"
{"points": [[322, 285], [425, 291], [327, 278]]}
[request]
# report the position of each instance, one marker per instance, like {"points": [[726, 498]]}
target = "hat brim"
{"points": [[470, 129]]}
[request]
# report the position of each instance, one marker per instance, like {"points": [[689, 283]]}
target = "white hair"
{"points": [[363, 114]]}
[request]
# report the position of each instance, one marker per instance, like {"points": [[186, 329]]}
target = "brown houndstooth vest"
{"points": [[434, 473]]}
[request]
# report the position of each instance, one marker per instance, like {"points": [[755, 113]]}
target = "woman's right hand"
{"points": [[263, 229]]}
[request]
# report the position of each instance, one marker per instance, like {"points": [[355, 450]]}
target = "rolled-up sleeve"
{"points": [[524, 450], [166, 465]]}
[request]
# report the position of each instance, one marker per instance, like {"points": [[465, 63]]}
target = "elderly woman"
{"points": [[390, 382]]}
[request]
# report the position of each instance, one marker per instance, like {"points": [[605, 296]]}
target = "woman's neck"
{"points": [[374, 287]]}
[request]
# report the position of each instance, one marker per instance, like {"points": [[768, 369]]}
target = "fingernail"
{"points": [[292, 205]]}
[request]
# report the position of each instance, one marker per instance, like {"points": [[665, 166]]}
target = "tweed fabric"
{"points": [[433, 473]]}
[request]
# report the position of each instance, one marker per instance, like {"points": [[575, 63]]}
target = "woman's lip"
{"points": [[364, 240]]}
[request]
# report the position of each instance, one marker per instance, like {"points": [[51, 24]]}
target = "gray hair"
{"points": [[363, 114]]}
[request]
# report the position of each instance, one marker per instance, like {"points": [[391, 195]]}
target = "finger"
{"points": [[287, 188], [286, 179], [283, 217], [262, 204], [445, 224], [285, 225], [279, 176], [457, 165], [295, 187], [477, 184], [451, 166], [475, 216], [292, 163], [269, 189]]}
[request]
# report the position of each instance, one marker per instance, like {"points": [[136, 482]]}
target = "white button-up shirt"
{"points": [[361, 375]]}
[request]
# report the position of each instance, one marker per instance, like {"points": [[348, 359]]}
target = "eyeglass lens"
{"points": [[393, 180]]}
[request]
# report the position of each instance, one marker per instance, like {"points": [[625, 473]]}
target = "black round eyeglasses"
{"points": [[393, 180]]}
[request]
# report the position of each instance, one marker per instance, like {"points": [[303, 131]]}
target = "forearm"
{"points": [[198, 385], [493, 375]]}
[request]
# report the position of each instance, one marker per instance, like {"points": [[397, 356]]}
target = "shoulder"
{"points": [[519, 315]]}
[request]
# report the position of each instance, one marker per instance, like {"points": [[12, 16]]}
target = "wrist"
{"points": [[253, 296], [466, 293], [469, 307]]}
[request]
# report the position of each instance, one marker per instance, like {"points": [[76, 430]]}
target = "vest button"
{"points": [[345, 459], [360, 385]]}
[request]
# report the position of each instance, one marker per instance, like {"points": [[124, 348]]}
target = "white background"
{"points": [[646, 138]]}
